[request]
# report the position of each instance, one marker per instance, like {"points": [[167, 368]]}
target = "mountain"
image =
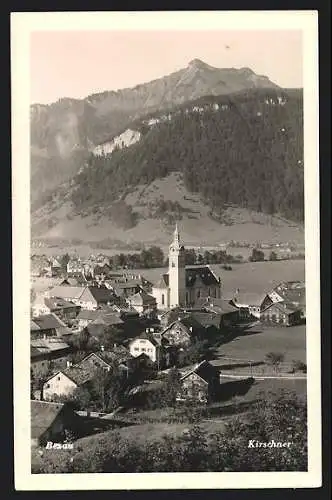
{"points": [[203, 162], [63, 133]]}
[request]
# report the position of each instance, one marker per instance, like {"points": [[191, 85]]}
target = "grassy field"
{"points": [[259, 340], [256, 277]]}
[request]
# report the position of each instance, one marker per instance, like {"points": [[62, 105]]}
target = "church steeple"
{"points": [[176, 270]]}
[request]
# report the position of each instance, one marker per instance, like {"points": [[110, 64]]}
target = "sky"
{"points": [[78, 63]]}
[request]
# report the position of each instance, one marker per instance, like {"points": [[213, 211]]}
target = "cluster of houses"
{"points": [[153, 326]]}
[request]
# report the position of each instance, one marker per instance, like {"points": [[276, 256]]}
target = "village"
{"points": [[111, 347]]}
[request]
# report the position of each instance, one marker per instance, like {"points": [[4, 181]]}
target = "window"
{"points": [[198, 294], [58, 378], [143, 349], [136, 348], [47, 386], [162, 299], [215, 293]]}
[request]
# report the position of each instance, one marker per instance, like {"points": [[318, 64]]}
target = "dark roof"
{"points": [[219, 306], [207, 319], [42, 416], [204, 273], [34, 326], [49, 322], [78, 374], [107, 316], [96, 329], [100, 294], [204, 370], [191, 322]]}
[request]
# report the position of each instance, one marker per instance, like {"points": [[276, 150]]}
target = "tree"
{"points": [[64, 259], [274, 359], [273, 256], [257, 255]]}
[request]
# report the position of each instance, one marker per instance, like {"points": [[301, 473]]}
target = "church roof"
{"points": [[203, 273], [163, 281]]}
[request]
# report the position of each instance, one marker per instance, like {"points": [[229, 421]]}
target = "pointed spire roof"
{"points": [[176, 238]]}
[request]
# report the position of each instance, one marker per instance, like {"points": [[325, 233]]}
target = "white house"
{"points": [[147, 344]]}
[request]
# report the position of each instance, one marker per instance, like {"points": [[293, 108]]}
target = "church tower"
{"points": [[177, 272]]}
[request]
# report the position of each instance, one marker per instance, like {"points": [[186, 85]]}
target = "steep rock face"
{"points": [[64, 132]]}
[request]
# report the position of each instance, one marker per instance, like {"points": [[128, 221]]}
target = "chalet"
{"points": [[291, 292], [45, 353], [183, 332], [281, 313], [142, 302], [145, 343], [64, 382], [119, 356], [51, 422], [49, 325], [201, 383]]}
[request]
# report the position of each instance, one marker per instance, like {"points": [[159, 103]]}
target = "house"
{"points": [[51, 422], [64, 309], [227, 314], [49, 325], [119, 355], [105, 316], [281, 313], [183, 285], [88, 297], [142, 302], [200, 383], [291, 292], [48, 352], [248, 303], [64, 382], [146, 343], [168, 317], [73, 281], [183, 332], [126, 288]]}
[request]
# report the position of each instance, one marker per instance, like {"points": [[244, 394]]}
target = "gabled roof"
{"points": [[147, 336], [67, 292], [284, 307], [77, 374], [141, 298], [54, 303], [100, 294], [204, 273], [204, 370], [49, 322], [34, 326], [207, 319], [46, 346], [249, 299], [163, 281], [219, 306], [42, 416]]}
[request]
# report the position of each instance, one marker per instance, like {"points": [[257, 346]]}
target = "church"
{"points": [[183, 285]]}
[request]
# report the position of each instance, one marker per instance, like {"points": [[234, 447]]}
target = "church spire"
{"points": [[176, 237]]}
